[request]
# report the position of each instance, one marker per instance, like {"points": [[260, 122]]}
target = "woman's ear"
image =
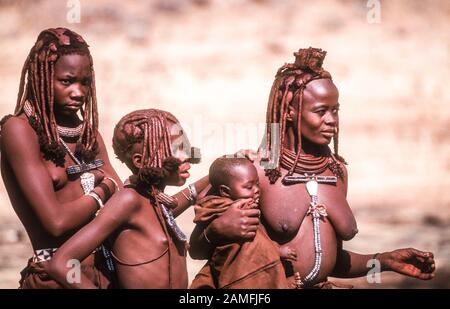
{"points": [[291, 112], [224, 191], [136, 158], [290, 116]]}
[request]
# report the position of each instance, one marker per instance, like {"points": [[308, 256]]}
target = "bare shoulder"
{"points": [[345, 172], [102, 152], [128, 199], [16, 132], [101, 144], [345, 180], [16, 125], [99, 138]]}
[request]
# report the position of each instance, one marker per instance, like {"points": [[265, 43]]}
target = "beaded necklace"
{"points": [[70, 132], [87, 179], [62, 131], [309, 164], [304, 163]]}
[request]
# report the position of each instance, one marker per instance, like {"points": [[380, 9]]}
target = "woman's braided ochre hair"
{"points": [[290, 82], [37, 90]]}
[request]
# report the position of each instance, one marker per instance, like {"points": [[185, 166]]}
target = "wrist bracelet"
{"points": [[188, 198], [167, 200], [104, 187], [206, 238], [116, 186], [97, 198], [193, 191]]}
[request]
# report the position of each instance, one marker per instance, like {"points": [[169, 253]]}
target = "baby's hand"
{"points": [[287, 253], [249, 203]]}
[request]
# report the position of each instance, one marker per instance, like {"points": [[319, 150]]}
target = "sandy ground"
{"points": [[212, 63]]}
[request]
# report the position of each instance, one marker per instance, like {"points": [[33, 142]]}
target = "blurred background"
{"points": [[212, 63]]}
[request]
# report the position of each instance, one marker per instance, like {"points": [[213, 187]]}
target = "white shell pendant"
{"points": [[312, 186], [87, 182]]}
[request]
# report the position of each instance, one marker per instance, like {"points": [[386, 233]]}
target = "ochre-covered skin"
{"points": [[50, 204], [305, 102], [147, 254]]}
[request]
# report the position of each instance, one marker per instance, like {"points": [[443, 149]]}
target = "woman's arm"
{"points": [[410, 262], [234, 225], [20, 147], [350, 264], [116, 212], [107, 167]]}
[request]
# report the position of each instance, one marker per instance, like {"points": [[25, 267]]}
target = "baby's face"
{"points": [[244, 182]]}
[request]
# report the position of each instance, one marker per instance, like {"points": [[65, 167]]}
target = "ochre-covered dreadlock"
{"points": [[288, 87], [150, 127], [36, 88]]}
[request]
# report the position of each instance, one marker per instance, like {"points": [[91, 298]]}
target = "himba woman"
{"points": [[52, 153], [148, 247], [303, 184], [53, 159]]}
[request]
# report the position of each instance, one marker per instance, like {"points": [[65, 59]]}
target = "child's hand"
{"points": [[287, 253]]}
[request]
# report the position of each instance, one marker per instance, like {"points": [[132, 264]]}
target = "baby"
{"points": [[254, 264]]}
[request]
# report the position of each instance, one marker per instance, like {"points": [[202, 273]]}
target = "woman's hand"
{"points": [[247, 153], [410, 262], [234, 225]]}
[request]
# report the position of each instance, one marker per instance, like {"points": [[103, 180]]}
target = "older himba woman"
{"points": [[303, 184]]}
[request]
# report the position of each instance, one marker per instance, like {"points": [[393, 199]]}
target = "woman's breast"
{"points": [[57, 174], [67, 188], [283, 210]]}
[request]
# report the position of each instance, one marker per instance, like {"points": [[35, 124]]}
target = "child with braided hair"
{"points": [[53, 160], [148, 247]]}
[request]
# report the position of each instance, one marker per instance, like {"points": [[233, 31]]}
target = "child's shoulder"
{"points": [[129, 198]]}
